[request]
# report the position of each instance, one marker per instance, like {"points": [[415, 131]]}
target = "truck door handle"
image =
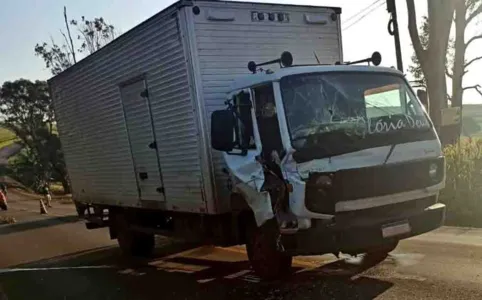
{"points": [[153, 145], [143, 175]]}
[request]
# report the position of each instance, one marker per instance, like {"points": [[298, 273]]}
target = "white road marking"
{"points": [[252, 278], [3, 271], [205, 280], [237, 274]]}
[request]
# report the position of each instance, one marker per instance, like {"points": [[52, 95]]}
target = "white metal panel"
{"points": [[224, 48], [140, 132], [92, 125]]}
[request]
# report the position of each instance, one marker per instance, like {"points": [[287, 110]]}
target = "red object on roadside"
{"points": [[3, 201]]}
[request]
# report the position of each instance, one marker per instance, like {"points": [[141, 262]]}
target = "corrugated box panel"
{"points": [[92, 123], [226, 45]]}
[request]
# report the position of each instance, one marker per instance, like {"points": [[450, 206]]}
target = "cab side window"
{"points": [[243, 104], [267, 119]]}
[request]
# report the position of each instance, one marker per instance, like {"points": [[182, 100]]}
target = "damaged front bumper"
{"points": [[356, 234]]}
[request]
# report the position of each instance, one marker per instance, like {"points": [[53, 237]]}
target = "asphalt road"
{"points": [[55, 257]]}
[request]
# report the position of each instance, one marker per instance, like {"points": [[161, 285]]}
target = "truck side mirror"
{"points": [[222, 130]]}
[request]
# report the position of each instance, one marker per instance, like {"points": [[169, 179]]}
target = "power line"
{"points": [[361, 11], [364, 16]]}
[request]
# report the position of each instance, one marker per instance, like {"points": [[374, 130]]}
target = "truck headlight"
{"points": [[433, 170], [324, 181]]}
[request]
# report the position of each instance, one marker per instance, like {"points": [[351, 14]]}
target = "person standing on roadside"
{"points": [[48, 197]]}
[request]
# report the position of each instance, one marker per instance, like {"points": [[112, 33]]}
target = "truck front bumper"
{"points": [[358, 235]]}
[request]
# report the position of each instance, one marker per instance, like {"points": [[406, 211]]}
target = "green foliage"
{"points": [[57, 58], [27, 111], [7, 137], [27, 170], [463, 183], [92, 35], [25, 107]]}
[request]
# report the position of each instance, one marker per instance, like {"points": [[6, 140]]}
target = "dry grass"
{"points": [[464, 183], [7, 220], [56, 188], [6, 137]]}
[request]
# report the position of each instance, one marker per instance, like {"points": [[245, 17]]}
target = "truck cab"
{"points": [[329, 159]]}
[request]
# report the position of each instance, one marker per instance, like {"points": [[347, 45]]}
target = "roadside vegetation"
{"points": [[7, 220], [27, 115], [463, 190], [7, 137]]}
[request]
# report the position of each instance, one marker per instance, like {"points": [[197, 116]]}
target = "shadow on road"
{"points": [[110, 256], [24, 226], [174, 275]]}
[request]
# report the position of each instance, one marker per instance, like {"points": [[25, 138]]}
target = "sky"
{"points": [[24, 23]]}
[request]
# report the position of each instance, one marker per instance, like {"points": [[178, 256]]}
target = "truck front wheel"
{"points": [[382, 251], [263, 254]]}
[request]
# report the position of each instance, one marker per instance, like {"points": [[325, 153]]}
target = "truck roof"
{"points": [[260, 78], [177, 5]]}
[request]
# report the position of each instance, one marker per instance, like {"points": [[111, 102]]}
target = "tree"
{"points": [[432, 57], [466, 11], [92, 35], [27, 111], [415, 68]]}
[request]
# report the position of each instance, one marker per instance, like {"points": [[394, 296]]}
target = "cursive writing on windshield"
{"points": [[371, 126]]}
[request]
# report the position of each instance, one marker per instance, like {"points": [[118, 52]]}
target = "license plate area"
{"points": [[396, 229]]}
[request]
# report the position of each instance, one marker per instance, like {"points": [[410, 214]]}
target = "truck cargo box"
{"points": [[133, 117]]}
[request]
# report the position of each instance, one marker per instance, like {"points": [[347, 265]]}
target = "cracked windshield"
{"points": [[241, 150], [357, 104]]}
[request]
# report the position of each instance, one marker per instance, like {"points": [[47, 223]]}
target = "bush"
{"points": [[463, 183]]}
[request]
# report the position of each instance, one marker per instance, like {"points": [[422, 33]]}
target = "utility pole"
{"points": [[393, 30]]}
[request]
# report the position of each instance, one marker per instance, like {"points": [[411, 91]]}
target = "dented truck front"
{"points": [[344, 158]]}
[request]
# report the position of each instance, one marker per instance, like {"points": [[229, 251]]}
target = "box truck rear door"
{"points": [[135, 101]]}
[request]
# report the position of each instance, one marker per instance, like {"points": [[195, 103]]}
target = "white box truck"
{"points": [[178, 128]]}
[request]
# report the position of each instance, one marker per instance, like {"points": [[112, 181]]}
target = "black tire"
{"points": [[133, 243], [80, 208], [382, 251], [265, 259]]}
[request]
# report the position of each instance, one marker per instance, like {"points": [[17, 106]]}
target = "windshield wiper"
{"points": [[348, 131]]}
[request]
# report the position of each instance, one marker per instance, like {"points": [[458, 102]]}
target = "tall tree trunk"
{"points": [[458, 68], [433, 58], [66, 184]]}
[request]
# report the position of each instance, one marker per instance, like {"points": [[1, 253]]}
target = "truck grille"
{"points": [[368, 182]]}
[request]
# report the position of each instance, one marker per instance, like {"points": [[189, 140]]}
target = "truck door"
{"points": [[135, 101]]}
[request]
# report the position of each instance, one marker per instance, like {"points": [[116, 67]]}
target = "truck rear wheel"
{"points": [[136, 243], [265, 259], [133, 243]]}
